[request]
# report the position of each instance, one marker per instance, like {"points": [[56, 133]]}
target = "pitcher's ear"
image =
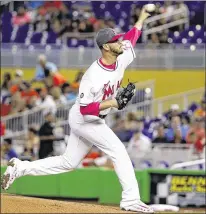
{"points": [[106, 47]]}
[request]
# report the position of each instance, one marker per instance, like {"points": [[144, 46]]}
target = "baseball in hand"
{"points": [[150, 8]]}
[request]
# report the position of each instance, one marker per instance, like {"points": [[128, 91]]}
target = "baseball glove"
{"points": [[125, 95]]}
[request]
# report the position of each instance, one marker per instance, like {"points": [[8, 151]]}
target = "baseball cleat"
{"points": [[10, 174], [139, 207]]}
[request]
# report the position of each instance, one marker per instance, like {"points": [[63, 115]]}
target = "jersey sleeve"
{"points": [[86, 92], [128, 55]]}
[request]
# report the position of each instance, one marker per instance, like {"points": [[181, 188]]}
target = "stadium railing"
{"points": [[188, 164], [156, 107], [164, 56], [18, 124], [167, 155], [169, 24]]}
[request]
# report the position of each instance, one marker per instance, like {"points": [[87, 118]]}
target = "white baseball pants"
{"points": [[83, 136]]}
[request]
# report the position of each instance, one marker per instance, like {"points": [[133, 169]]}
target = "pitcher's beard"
{"points": [[117, 53]]}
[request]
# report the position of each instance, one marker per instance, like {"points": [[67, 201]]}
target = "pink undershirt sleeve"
{"points": [[90, 109], [132, 35]]}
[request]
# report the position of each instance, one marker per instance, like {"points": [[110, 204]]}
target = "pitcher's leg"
{"points": [[105, 139], [76, 150]]}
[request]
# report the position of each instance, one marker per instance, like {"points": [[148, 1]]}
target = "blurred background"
{"points": [[48, 45]]}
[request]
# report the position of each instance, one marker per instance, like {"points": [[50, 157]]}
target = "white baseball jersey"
{"points": [[100, 83]]}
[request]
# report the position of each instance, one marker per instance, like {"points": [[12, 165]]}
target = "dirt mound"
{"points": [[20, 204]]}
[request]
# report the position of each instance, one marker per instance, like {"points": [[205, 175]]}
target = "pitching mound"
{"points": [[20, 204]]}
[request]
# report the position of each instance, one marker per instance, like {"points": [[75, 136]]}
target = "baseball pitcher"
{"points": [[97, 96]]}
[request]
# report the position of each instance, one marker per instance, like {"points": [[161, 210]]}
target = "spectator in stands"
{"points": [[197, 127], [70, 91], [201, 110], [75, 84], [27, 154], [53, 6], [82, 6], [33, 141], [154, 40], [90, 27], [22, 17], [8, 151], [46, 136], [53, 79], [28, 93], [18, 77], [111, 24], [32, 5], [168, 8], [131, 122], [41, 24], [163, 38], [160, 138], [7, 82], [46, 101], [118, 122], [91, 156], [96, 158], [67, 92], [47, 73], [17, 83], [2, 129], [157, 8], [135, 13], [124, 128], [174, 111], [67, 28], [120, 130], [174, 129], [184, 14], [22, 96], [59, 98], [43, 67], [85, 27], [178, 138], [31, 147], [99, 24], [17, 103], [198, 142], [139, 145]]}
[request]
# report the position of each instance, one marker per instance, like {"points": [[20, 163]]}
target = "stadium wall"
{"points": [[101, 184], [166, 82]]}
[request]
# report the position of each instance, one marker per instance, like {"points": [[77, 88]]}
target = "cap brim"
{"points": [[116, 37]]}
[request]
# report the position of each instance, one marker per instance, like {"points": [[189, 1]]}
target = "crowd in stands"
{"points": [[167, 8], [18, 95], [62, 17], [139, 134]]}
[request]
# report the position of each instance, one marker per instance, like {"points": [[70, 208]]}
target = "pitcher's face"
{"points": [[116, 47]]}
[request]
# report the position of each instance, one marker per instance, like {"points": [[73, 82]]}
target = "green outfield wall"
{"points": [[88, 183]]}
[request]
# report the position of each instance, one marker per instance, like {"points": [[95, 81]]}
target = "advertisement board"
{"points": [[182, 190]]}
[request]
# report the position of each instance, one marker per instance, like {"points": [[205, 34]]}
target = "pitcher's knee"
{"points": [[68, 164], [119, 152]]}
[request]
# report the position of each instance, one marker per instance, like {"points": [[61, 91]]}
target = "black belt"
{"points": [[102, 116]]}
